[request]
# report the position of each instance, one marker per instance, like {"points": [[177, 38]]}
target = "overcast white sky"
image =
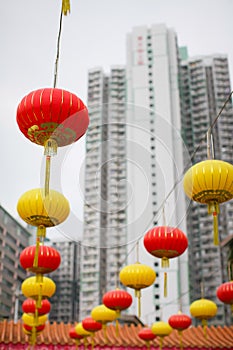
{"points": [[94, 34]]}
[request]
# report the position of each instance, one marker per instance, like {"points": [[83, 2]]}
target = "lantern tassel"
{"points": [[161, 343], [181, 342], [105, 332], [39, 236], [165, 262], [148, 344], [65, 6], [92, 340], [138, 296], [77, 343], [204, 325], [213, 208], [215, 222], [165, 284], [117, 328], [33, 337], [39, 279]]}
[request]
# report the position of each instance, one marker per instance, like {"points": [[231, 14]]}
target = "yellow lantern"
{"points": [[81, 331], [161, 329], [203, 309], [38, 288], [30, 320], [210, 182], [38, 209], [137, 276], [103, 314]]}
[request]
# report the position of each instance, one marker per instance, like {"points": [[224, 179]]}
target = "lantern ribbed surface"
{"points": [[90, 325], [165, 242], [103, 314], [180, 321], [146, 334], [161, 329], [203, 309], [32, 289], [225, 292], [117, 299], [36, 208], [137, 276], [29, 307], [209, 181], [31, 321], [81, 331], [30, 328], [52, 113], [48, 259]]}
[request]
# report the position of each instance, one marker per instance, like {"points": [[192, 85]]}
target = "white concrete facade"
{"points": [[156, 160]]}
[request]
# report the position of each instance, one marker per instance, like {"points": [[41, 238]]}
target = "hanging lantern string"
{"points": [[58, 50]]}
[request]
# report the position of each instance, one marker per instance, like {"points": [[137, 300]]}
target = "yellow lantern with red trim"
{"points": [[210, 182], [137, 276]]}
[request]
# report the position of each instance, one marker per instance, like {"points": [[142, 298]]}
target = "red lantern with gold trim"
{"points": [[225, 293], [165, 242], [48, 259], [29, 306], [117, 300], [52, 113]]}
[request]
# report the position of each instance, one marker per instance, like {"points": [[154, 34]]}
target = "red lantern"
{"points": [[74, 335], [90, 325], [48, 259], [37, 328], [29, 307], [165, 242], [180, 321], [117, 300], [54, 114], [225, 293], [146, 334]]}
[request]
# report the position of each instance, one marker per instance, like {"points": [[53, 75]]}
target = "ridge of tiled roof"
{"points": [[127, 336]]}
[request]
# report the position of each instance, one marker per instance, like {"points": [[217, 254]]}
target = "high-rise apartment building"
{"points": [[65, 301], [13, 239], [104, 237], [205, 86], [155, 159]]}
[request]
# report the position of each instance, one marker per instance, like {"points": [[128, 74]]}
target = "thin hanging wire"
{"points": [[58, 51]]}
